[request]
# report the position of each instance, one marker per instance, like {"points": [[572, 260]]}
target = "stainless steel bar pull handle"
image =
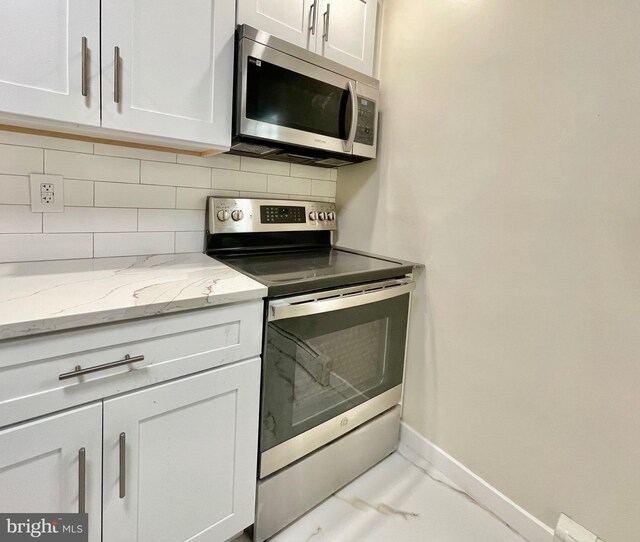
{"points": [[79, 371], [85, 67], [293, 308], [116, 74], [82, 480], [123, 465], [348, 144], [312, 18], [327, 14]]}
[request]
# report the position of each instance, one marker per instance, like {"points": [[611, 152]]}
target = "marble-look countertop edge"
{"points": [[68, 323], [236, 288]]}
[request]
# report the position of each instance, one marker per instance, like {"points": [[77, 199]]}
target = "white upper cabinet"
{"points": [[341, 30], [347, 32], [49, 58], [290, 20], [174, 71], [174, 68]]}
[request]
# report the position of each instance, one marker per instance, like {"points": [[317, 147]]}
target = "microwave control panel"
{"points": [[366, 121]]}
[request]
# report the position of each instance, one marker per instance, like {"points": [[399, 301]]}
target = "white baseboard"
{"points": [[488, 496]]}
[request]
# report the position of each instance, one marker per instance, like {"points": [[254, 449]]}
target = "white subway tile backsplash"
{"points": [[239, 180], [334, 174], [91, 167], [132, 244], [19, 219], [14, 189], [134, 195], [310, 172], [170, 220], [258, 165], [20, 160], [262, 195], [175, 175], [25, 247], [125, 201], [189, 241], [289, 185], [220, 161], [89, 219], [323, 188], [132, 152], [30, 140], [78, 193], [196, 198]]}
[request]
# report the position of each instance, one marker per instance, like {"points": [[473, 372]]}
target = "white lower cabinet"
{"points": [[46, 465], [180, 458], [175, 462]]}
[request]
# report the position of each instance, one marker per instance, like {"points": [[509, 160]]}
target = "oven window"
{"points": [[319, 366], [286, 98]]}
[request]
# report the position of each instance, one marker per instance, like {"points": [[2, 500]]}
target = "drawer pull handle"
{"points": [[82, 479], [123, 464], [79, 371]]}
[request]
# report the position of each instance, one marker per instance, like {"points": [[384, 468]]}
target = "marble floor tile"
{"points": [[396, 501]]}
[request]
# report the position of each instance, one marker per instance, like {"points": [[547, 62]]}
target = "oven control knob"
{"points": [[322, 215], [313, 215], [237, 215], [223, 215], [331, 215]]}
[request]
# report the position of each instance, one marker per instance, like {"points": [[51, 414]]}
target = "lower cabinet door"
{"points": [[53, 465], [180, 458]]}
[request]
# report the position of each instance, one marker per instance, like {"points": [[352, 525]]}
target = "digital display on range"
{"points": [[271, 214]]}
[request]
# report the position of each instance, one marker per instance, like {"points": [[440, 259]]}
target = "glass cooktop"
{"points": [[296, 272]]}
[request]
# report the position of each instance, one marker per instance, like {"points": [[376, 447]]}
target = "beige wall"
{"points": [[510, 165]]}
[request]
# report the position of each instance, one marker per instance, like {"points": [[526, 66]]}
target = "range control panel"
{"points": [[244, 215]]}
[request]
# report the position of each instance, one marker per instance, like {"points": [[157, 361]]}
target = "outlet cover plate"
{"points": [[47, 193], [569, 530]]}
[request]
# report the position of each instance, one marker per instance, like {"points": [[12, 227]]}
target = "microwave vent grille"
{"points": [[261, 150]]}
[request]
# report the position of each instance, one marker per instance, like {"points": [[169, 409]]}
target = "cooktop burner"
{"points": [[287, 245], [296, 272]]}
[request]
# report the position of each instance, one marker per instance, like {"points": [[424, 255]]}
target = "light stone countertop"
{"points": [[39, 297]]}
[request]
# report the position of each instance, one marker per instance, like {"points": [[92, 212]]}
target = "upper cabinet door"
{"points": [[167, 68], [347, 32], [42, 53], [294, 21], [44, 464]]}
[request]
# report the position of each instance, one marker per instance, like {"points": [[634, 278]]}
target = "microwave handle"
{"points": [[281, 309], [348, 144]]}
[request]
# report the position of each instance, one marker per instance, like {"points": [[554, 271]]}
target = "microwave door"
{"points": [[288, 100]]}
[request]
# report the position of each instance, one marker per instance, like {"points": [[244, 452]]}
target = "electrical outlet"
{"points": [[568, 530], [47, 193]]}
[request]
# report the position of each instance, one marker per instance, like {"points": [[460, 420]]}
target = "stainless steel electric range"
{"points": [[333, 353]]}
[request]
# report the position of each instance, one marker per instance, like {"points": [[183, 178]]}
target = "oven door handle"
{"points": [[281, 309]]}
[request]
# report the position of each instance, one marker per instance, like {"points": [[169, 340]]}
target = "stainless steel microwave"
{"points": [[296, 106]]}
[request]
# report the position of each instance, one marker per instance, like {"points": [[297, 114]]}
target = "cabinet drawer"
{"points": [[172, 346]]}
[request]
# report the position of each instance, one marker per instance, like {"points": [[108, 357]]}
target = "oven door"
{"points": [[284, 99], [332, 361]]}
